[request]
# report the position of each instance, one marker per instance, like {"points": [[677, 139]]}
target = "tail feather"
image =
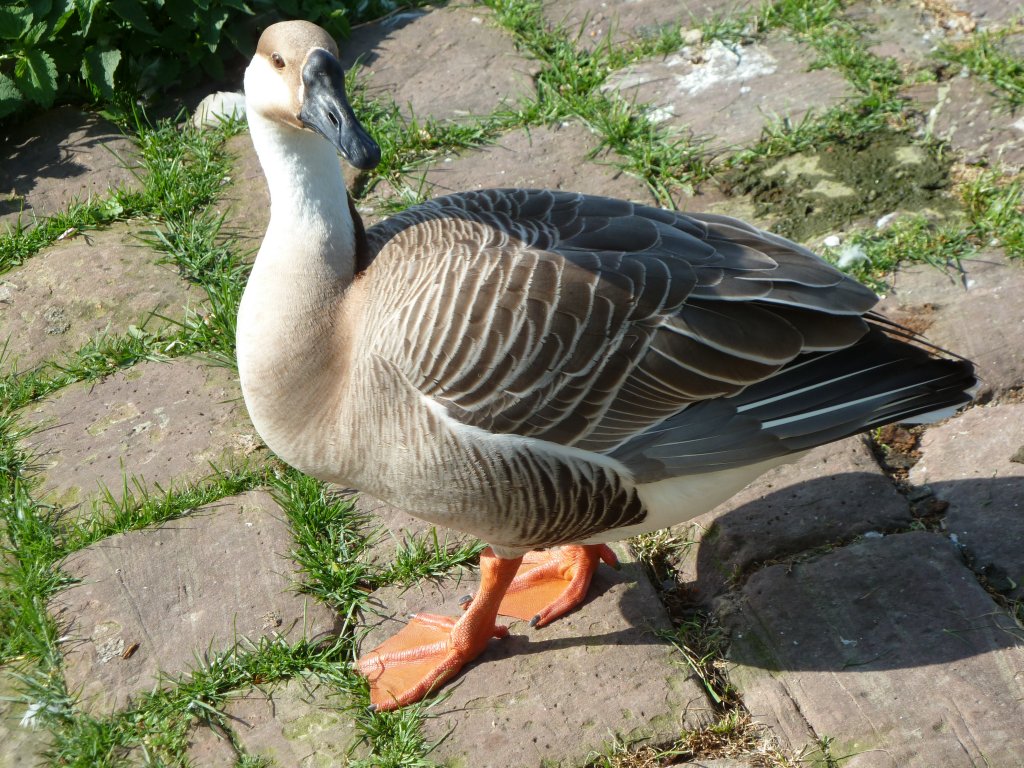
{"points": [[891, 374]]}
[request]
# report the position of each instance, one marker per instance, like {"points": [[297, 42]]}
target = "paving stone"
{"points": [[20, 746], [726, 95], [548, 696], [407, 54], [949, 308], [169, 422], [975, 462], [180, 591], [834, 493], [90, 284], [964, 112], [300, 724], [209, 749], [903, 31], [58, 157], [245, 203], [711, 199], [889, 647], [594, 21], [1011, 45], [989, 13], [545, 158]]}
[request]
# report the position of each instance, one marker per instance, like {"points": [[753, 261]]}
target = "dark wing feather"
{"points": [[606, 325]]}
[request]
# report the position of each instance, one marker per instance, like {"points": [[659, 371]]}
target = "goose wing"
{"points": [[596, 323]]}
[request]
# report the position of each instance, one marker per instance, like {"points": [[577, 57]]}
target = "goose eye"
{"points": [[277, 61]]}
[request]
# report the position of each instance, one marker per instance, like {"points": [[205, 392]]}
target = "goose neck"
{"points": [[310, 220]]}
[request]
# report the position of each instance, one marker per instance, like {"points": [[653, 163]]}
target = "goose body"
{"points": [[537, 368]]}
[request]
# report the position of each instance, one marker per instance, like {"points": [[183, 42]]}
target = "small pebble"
{"points": [[832, 241]]}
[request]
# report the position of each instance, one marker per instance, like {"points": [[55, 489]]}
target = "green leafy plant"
{"points": [[108, 50]]}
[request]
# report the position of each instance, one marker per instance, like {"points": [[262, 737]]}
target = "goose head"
{"points": [[296, 81]]}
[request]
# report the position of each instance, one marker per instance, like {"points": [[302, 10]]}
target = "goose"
{"points": [[546, 370]]}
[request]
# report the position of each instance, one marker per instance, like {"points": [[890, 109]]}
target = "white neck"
{"points": [[309, 211], [288, 317]]}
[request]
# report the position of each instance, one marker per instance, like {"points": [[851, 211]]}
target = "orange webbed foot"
{"points": [[551, 583], [430, 650], [426, 653]]}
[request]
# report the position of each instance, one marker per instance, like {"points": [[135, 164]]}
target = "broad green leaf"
{"points": [[86, 11], [134, 13], [14, 23], [65, 9], [181, 13], [209, 30], [40, 7], [99, 67], [36, 77], [32, 38], [10, 97]]}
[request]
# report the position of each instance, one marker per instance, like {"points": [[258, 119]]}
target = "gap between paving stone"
{"points": [[888, 646], [405, 56], [390, 528], [58, 157], [181, 591], [95, 283], [976, 463], [550, 696], [835, 492], [726, 95], [167, 423]]}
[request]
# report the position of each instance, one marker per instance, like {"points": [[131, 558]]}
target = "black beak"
{"points": [[326, 110]]}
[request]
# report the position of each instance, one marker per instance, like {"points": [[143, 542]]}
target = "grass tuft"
{"points": [[983, 54]]}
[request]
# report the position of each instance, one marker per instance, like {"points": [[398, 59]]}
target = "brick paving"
{"points": [[854, 620]]}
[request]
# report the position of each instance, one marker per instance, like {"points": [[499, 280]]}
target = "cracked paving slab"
{"points": [[975, 463], [835, 492]]}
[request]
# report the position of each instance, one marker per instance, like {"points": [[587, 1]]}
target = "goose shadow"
{"points": [[796, 595], [919, 594]]}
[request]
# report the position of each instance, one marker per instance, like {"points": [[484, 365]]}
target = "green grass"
{"points": [[995, 206], [909, 239], [183, 175], [26, 238], [983, 55]]}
